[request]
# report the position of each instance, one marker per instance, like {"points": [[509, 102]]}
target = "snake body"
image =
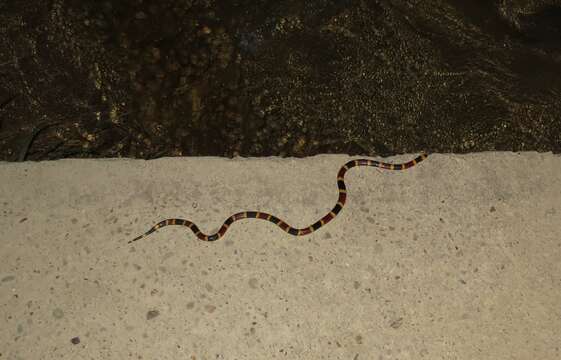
{"points": [[280, 223]]}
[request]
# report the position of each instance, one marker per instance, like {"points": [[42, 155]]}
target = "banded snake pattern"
{"points": [[277, 221]]}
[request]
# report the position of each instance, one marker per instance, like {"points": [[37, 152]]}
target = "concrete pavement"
{"points": [[456, 258]]}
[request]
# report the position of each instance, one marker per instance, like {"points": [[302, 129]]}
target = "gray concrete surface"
{"points": [[457, 258]]}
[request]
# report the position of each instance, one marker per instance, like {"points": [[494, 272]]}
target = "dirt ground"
{"points": [[145, 78]]}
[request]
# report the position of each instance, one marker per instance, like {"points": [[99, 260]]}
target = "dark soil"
{"points": [[153, 78]]}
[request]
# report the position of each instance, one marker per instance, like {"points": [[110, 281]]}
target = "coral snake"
{"points": [[280, 223]]}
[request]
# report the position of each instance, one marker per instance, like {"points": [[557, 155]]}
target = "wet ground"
{"points": [[293, 78]]}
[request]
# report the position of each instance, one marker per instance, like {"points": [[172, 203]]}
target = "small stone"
{"points": [[8, 278], [152, 314], [75, 340], [396, 324]]}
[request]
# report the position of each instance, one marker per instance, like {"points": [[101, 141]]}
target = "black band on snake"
{"points": [[280, 223]]}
